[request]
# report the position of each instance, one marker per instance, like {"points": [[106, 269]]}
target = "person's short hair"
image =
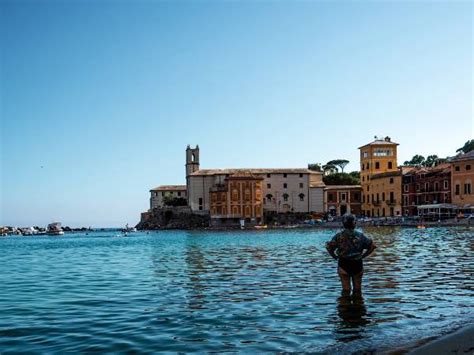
{"points": [[348, 220]]}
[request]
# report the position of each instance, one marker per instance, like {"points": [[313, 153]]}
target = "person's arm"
{"points": [[331, 248], [369, 251]]}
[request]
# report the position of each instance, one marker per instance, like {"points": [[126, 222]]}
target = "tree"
{"points": [[315, 167], [431, 160], [467, 147], [339, 162], [342, 179], [417, 160], [329, 169]]}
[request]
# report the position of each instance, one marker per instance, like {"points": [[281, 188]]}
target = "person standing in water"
{"points": [[349, 247]]}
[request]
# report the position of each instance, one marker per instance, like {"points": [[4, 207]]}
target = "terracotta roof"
{"points": [[379, 142], [441, 168], [170, 188], [209, 172], [467, 156], [342, 187]]}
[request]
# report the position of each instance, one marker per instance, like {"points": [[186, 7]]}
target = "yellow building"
{"points": [[462, 177], [239, 197], [380, 179]]}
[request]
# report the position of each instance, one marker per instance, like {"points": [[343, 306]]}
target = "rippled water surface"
{"points": [[229, 291]]}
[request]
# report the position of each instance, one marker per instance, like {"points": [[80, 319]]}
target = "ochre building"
{"points": [[380, 179], [239, 197], [462, 177]]}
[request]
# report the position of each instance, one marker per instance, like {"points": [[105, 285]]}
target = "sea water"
{"points": [[245, 291]]}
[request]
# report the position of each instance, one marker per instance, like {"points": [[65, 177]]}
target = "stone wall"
{"points": [[173, 218]]}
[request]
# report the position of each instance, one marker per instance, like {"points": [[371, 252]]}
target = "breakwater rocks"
{"points": [[172, 218]]}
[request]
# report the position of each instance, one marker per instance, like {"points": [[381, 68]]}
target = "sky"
{"points": [[99, 99]]}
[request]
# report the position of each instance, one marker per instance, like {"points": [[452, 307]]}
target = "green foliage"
{"points": [[315, 167], [329, 169], [341, 163], [174, 201], [342, 179], [417, 160], [467, 147], [431, 160]]}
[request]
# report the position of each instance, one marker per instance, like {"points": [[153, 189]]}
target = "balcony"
{"points": [[391, 202]]}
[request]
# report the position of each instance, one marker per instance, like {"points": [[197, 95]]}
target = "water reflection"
{"points": [[352, 313]]}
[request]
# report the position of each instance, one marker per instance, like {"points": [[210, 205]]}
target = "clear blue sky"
{"points": [[100, 98]]}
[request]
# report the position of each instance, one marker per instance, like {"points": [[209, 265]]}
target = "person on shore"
{"points": [[349, 247]]}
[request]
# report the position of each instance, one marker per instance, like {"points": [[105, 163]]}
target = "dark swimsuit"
{"points": [[352, 267]]}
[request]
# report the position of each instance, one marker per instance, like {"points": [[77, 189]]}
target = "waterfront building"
{"points": [[159, 194], [424, 186], [283, 190], [342, 199], [240, 197], [462, 177], [380, 178]]}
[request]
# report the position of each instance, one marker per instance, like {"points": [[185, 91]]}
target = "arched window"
{"points": [[285, 197], [235, 194]]}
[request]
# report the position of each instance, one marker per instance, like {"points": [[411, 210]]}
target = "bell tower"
{"points": [[192, 164]]}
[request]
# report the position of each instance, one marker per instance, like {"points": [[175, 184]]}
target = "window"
{"points": [[285, 185], [377, 165], [427, 186], [330, 197], [163, 194], [285, 175], [269, 186], [458, 189], [365, 154], [269, 197], [285, 197], [301, 175], [356, 197], [391, 180], [417, 187], [301, 185], [368, 187], [391, 197], [382, 152], [301, 196], [378, 197], [468, 167], [457, 168], [200, 203], [405, 188], [383, 196], [363, 167], [343, 196], [445, 184], [269, 175], [436, 186], [367, 166], [390, 165], [467, 189], [179, 193], [363, 178]]}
